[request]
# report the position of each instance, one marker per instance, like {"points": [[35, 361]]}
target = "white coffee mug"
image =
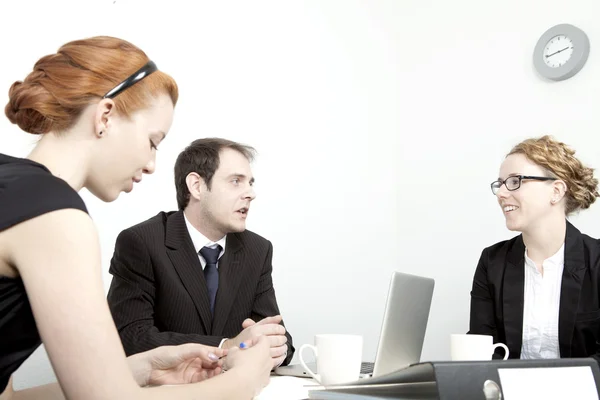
{"points": [[338, 358], [466, 347]]}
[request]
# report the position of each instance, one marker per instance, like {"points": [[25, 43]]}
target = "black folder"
{"points": [[443, 380]]}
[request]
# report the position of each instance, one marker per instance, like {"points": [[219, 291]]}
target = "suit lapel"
{"points": [[573, 274], [231, 271], [513, 292], [180, 250]]}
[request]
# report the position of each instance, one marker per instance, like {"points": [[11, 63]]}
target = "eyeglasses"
{"points": [[514, 182], [137, 76]]}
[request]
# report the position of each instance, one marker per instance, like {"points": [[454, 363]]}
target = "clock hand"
{"points": [[556, 52]]}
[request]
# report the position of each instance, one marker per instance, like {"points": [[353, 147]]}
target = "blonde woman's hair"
{"points": [[560, 162]]}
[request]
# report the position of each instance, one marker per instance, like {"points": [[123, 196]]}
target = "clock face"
{"points": [[558, 51]]}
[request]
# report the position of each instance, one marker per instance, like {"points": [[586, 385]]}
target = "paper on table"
{"points": [[287, 388], [548, 383]]}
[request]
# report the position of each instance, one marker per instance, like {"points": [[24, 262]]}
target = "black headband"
{"points": [[137, 76]]}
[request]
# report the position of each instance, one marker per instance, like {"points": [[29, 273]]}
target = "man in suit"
{"points": [[197, 275]]}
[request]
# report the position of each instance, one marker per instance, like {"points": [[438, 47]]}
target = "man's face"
{"points": [[224, 208]]}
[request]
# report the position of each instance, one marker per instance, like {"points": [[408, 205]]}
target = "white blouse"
{"points": [[540, 310]]}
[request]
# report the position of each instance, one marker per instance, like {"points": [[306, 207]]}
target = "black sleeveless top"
{"points": [[27, 190]]}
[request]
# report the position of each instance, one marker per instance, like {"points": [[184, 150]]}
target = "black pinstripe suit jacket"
{"points": [[158, 294]]}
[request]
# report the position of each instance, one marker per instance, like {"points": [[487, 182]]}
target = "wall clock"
{"points": [[561, 52]]}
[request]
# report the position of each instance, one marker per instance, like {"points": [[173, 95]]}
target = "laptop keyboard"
{"points": [[366, 367]]}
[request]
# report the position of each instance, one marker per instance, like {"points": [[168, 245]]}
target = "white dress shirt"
{"points": [[540, 309], [200, 241]]}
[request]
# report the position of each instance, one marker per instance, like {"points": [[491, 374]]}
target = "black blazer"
{"points": [[498, 294], [158, 294]]}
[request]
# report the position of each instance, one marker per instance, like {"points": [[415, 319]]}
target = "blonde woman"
{"points": [[539, 293]]}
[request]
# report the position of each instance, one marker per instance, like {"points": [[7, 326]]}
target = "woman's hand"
{"points": [[252, 363], [175, 365]]}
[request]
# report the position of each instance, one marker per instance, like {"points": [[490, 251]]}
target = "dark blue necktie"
{"points": [[211, 274]]}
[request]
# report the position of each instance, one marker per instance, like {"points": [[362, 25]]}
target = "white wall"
{"points": [[379, 125]]}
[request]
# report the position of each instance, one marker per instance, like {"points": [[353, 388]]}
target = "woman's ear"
{"points": [[559, 189], [105, 110]]}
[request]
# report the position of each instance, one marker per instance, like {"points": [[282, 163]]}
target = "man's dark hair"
{"points": [[202, 157]]}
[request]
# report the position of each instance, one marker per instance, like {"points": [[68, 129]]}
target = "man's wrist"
{"points": [[9, 391]]}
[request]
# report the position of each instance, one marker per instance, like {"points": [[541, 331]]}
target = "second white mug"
{"points": [[467, 347]]}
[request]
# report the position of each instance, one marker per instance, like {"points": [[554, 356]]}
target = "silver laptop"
{"points": [[402, 332]]}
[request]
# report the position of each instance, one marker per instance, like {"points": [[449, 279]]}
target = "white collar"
{"points": [[200, 241], [556, 260]]}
